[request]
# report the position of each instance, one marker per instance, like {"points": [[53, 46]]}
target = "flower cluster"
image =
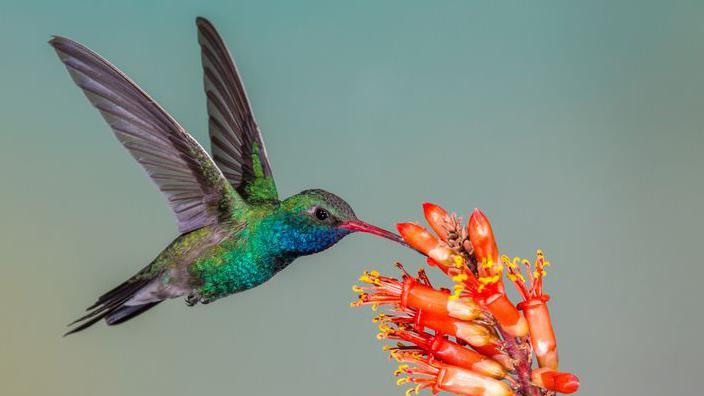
{"points": [[471, 340]]}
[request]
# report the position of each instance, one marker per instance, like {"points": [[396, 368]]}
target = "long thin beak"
{"points": [[359, 225]]}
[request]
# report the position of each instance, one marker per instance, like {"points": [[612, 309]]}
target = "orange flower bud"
{"points": [[482, 239], [554, 380], [420, 239], [436, 217], [471, 333], [456, 355]]}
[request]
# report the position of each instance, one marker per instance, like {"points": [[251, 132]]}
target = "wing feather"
{"points": [[236, 141], [196, 190]]}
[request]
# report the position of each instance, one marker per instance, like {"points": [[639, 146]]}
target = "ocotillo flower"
{"points": [[436, 376], [488, 287], [490, 270], [534, 307], [410, 293], [484, 244], [473, 333], [493, 351], [555, 381], [470, 342], [422, 240], [437, 219], [441, 348]]}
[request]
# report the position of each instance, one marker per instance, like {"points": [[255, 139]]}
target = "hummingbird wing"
{"points": [[196, 190], [236, 142]]}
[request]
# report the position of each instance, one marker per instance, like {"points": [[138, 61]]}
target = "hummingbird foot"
{"points": [[193, 299]]}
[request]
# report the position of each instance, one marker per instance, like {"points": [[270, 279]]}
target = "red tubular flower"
{"points": [[437, 218], [490, 270], [409, 293], [443, 349], [493, 351], [472, 333], [420, 239], [542, 336], [507, 315], [436, 376], [555, 381], [473, 341]]}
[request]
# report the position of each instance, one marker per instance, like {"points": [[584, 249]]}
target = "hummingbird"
{"points": [[235, 232]]}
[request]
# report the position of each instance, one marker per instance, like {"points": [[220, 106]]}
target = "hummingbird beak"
{"points": [[359, 225]]}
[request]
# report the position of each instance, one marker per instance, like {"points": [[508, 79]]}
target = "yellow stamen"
{"points": [[400, 370], [384, 328], [459, 278], [506, 260], [458, 291], [538, 267], [370, 277], [379, 318], [516, 276], [487, 280]]}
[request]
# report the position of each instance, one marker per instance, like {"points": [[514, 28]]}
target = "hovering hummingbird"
{"points": [[235, 232]]}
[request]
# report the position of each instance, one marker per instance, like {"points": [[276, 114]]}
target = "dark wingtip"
{"points": [[63, 44], [200, 21], [54, 40]]}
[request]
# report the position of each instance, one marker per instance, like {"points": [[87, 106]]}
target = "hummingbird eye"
{"points": [[321, 214]]}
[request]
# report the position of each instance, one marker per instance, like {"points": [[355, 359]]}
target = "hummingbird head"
{"points": [[318, 219]]}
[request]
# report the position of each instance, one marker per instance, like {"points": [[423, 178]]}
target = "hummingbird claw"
{"points": [[192, 300]]}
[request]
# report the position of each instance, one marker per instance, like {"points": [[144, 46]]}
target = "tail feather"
{"points": [[127, 312], [111, 306]]}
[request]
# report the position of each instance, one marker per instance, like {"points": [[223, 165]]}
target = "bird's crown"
{"points": [[323, 205]]}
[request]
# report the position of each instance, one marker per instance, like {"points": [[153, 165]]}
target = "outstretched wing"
{"points": [[195, 188], [236, 142]]}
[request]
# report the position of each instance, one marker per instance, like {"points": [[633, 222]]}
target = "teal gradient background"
{"points": [[576, 126]]}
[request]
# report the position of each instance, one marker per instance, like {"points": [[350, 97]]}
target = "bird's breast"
{"points": [[238, 265]]}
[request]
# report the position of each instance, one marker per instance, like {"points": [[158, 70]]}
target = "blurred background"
{"points": [[577, 127]]}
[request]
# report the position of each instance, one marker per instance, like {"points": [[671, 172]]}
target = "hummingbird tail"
{"points": [[113, 306], [127, 312]]}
